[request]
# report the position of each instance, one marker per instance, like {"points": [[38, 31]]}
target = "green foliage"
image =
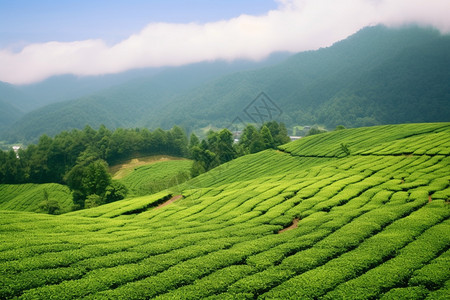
{"points": [[315, 130], [49, 198], [115, 191], [93, 200], [50, 206], [68, 153], [366, 229], [220, 148], [379, 75], [89, 180], [157, 176]]}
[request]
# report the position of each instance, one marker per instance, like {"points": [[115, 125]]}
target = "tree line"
{"points": [[80, 158], [221, 147]]}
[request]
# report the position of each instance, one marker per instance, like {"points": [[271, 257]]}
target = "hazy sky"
{"points": [[43, 38]]}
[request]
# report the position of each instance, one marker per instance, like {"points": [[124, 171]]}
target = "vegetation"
{"points": [[372, 224], [51, 198], [53, 158], [377, 76], [80, 159], [158, 176], [220, 147]]}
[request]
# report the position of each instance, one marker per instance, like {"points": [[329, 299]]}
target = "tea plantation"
{"points": [[157, 176], [371, 207], [30, 197]]}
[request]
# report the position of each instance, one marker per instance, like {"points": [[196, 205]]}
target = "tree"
{"points": [[178, 143], [249, 134], [193, 140], [279, 132], [225, 149], [96, 178], [115, 191], [93, 201], [257, 144], [88, 178], [315, 130], [266, 138], [50, 206]]}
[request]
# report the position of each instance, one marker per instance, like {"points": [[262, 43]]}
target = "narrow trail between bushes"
{"points": [[171, 200], [292, 226]]}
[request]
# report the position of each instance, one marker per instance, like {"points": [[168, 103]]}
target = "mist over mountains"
{"points": [[377, 76]]}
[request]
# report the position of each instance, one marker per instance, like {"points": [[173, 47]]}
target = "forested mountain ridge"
{"points": [[122, 105], [9, 113], [377, 76]]}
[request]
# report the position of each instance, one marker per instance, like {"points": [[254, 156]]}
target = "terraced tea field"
{"points": [[157, 176], [28, 197], [372, 222]]}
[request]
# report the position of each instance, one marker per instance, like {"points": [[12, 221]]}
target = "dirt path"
{"points": [[293, 226], [171, 200], [121, 170]]}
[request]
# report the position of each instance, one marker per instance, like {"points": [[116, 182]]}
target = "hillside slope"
{"points": [[373, 223], [158, 176], [377, 76], [120, 105], [10, 110], [29, 197]]}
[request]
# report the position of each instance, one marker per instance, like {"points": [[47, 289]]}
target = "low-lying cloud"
{"points": [[297, 25]]}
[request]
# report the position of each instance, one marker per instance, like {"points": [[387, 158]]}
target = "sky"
{"points": [[40, 39]]}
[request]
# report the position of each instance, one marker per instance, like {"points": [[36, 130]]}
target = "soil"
{"points": [[171, 200], [121, 170], [293, 226]]}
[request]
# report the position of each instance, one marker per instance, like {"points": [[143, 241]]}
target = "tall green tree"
{"points": [[88, 178], [225, 149], [267, 138]]}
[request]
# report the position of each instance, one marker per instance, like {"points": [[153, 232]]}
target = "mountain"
{"points": [[9, 111], [119, 105], [378, 75], [68, 87]]}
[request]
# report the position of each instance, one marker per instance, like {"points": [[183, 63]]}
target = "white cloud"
{"points": [[297, 25]]}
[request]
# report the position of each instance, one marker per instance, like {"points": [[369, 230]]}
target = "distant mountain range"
{"points": [[376, 76]]}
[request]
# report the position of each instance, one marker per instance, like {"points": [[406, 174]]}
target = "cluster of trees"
{"points": [[80, 158], [219, 147], [92, 185], [52, 158]]}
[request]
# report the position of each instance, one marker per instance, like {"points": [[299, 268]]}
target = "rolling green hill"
{"points": [[368, 222], [154, 177], [29, 196]]}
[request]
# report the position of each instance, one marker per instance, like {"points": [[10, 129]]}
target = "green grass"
{"points": [[372, 225]]}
